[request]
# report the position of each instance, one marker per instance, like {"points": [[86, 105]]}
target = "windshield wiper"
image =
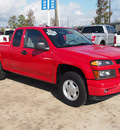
{"points": [[67, 45], [80, 44]]}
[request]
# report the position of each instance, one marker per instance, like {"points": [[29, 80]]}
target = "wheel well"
{"points": [[102, 42], [62, 68]]}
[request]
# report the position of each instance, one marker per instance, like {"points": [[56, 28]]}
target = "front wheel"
{"points": [[72, 89]]}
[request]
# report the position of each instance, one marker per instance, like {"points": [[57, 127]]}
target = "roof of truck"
{"points": [[98, 25], [36, 27]]}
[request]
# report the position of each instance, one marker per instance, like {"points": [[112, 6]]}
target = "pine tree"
{"points": [[12, 22]]}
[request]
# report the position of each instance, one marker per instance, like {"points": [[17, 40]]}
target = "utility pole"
{"points": [[109, 11], [59, 13], [56, 15]]}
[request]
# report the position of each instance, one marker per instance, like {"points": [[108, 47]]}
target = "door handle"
{"points": [[24, 52]]}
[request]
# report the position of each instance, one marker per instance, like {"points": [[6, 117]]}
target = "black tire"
{"points": [[2, 73], [76, 85]]}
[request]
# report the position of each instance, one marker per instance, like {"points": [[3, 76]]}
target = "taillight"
{"points": [[114, 39], [4, 39], [93, 38]]}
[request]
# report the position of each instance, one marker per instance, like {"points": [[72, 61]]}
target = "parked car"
{"points": [[100, 34], [64, 57], [1, 33], [6, 35]]}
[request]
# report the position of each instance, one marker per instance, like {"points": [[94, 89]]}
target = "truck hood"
{"points": [[95, 51]]}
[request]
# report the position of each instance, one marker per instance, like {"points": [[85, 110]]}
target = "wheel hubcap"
{"points": [[70, 90]]}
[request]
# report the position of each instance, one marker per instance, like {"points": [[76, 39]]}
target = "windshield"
{"points": [[66, 37]]}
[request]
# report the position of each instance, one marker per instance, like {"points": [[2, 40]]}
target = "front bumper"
{"points": [[103, 87]]}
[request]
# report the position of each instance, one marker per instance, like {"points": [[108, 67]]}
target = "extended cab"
{"points": [[100, 34], [63, 56]]}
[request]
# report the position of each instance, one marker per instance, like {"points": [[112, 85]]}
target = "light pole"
{"points": [[59, 12], [48, 14], [56, 15], [109, 10]]}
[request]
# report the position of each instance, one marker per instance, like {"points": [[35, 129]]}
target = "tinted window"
{"points": [[87, 30], [94, 29], [108, 29], [113, 29], [9, 32], [17, 38], [32, 37]]}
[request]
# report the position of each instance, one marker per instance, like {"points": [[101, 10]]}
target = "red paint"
{"points": [[43, 65]]}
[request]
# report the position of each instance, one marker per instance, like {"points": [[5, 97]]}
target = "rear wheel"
{"points": [[72, 89], [102, 43], [2, 73]]}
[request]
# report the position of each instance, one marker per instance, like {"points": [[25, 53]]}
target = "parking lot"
{"points": [[28, 104]]}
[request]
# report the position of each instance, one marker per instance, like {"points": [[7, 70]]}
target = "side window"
{"points": [[108, 29], [113, 29], [17, 38], [32, 37]]}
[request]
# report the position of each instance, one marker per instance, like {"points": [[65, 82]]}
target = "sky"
{"points": [[72, 12]]}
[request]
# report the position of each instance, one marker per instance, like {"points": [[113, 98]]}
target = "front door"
{"points": [[34, 63]]}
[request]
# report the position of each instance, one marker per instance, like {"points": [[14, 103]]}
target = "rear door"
{"points": [[14, 50]]}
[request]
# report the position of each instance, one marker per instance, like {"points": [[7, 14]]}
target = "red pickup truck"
{"points": [[63, 56]]}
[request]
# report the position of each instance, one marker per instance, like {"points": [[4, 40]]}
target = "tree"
{"points": [[21, 20], [102, 12], [31, 18], [2, 29], [12, 22]]}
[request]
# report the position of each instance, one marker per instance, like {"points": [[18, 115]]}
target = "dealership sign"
{"points": [[52, 4], [48, 4], [44, 5]]}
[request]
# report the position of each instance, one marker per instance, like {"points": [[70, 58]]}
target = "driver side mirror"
{"points": [[41, 46]]}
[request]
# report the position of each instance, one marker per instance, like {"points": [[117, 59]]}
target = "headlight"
{"points": [[104, 74], [101, 62]]}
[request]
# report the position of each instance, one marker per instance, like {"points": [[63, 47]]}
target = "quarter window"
{"points": [[17, 38]]}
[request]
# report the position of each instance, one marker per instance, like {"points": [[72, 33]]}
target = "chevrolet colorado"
{"points": [[63, 56]]}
